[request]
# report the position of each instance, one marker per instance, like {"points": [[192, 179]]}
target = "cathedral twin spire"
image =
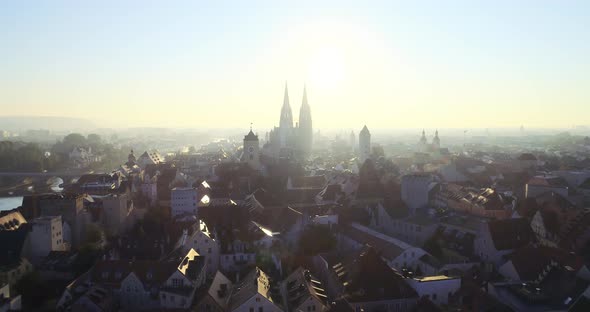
{"points": [[304, 128], [286, 113]]}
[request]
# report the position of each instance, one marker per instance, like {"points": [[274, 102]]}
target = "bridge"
{"points": [[61, 174]]}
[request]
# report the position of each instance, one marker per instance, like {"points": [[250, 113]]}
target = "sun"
{"points": [[327, 68]]}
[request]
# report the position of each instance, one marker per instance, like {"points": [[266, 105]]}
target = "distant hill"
{"points": [[21, 123]]}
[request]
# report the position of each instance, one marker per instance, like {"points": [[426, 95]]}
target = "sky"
{"points": [[386, 64]]}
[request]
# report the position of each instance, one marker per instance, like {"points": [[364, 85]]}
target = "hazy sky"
{"points": [[224, 64]]}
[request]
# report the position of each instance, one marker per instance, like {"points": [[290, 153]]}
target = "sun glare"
{"points": [[327, 68]]}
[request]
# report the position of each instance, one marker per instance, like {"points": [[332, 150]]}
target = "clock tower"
{"points": [[251, 153]]}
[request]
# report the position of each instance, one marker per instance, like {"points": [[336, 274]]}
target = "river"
{"points": [[7, 203]]}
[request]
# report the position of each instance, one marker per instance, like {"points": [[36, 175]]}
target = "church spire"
{"points": [[305, 125], [304, 97], [423, 138], [286, 114]]}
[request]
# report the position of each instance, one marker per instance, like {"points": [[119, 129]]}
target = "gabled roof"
{"points": [[256, 282], [301, 286], [113, 272], [387, 246], [220, 289], [251, 136], [553, 181], [510, 233], [529, 262], [11, 220], [368, 278]]}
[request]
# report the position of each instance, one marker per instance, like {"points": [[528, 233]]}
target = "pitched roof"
{"points": [[251, 136], [220, 289], [256, 282], [387, 246], [368, 278], [301, 285], [510, 233], [548, 181], [11, 220], [113, 272], [529, 262]]}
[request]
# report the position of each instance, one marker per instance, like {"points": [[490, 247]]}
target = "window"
{"points": [[261, 309], [209, 250], [251, 309], [257, 299], [433, 296], [176, 282], [172, 298]]}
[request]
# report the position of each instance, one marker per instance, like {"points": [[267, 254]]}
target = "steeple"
{"points": [[436, 140], [423, 138], [305, 125], [286, 114]]}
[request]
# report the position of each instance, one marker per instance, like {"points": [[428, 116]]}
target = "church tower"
{"points": [[305, 126], [364, 145], [251, 153], [286, 122], [422, 144], [436, 141]]}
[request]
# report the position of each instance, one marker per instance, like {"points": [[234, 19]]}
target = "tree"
{"points": [[34, 290], [74, 139], [93, 234], [94, 140], [316, 239]]}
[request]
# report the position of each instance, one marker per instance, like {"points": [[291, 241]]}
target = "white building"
{"points": [[200, 239], [184, 201], [437, 289], [415, 189], [45, 236]]}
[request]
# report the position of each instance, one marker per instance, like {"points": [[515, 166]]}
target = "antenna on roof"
{"points": [[250, 126]]}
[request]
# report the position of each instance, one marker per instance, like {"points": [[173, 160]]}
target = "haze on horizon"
{"points": [[387, 64]]}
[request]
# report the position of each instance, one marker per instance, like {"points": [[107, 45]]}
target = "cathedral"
{"points": [[423, 145], [288, 140]]}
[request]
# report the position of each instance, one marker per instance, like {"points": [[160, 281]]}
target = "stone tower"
{"points": [[251, 154], [364, 145]]}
